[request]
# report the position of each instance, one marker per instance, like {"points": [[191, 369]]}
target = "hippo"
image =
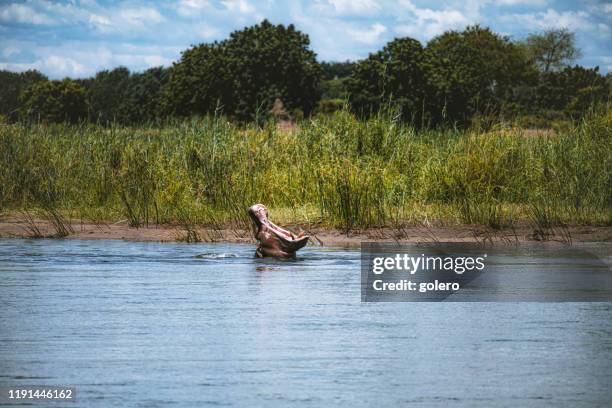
{"points": [[274, 240]]}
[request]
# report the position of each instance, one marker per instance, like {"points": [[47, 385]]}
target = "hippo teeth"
{"points": [[281, 232]]}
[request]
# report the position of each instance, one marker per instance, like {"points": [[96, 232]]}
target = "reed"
{"points": [[333, 171]]}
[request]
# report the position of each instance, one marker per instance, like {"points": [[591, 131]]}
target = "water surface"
{"points": [[152, 325]]}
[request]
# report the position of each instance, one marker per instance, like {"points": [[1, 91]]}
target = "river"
{"points": [[170, 324]]}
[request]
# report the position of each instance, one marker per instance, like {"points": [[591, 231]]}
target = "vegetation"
{"points": [[552, 49], [397, 73], [12, 86], [473, 73], [245, 74], [473, 77], [334, 170], [411, 133], [333, 86], [55, 101]]}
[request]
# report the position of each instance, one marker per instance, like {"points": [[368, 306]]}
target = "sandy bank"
{"points": [[14, 227]]}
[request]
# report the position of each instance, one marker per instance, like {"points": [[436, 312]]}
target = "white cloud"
{"points": [[573, 20], [100, 22], [118, 19], [79, 59], [238, 6], [191, 8], [126, 20], [328, 34], [54, 66], [358, 7], [208, 32], [521, 2], [367, 36], [65, 66], [20, 13], [10, 50], [140, 16], [428, 23]]}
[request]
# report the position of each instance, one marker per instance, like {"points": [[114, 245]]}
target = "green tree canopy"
{"points": [[106, 92], [337, 70], [198, 82], [571, 91], [394, 74], [12, 84], [246, 73], [142, 100], [473, 72], [55, 101]]}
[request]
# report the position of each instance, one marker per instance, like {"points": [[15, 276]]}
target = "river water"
{"points": [[156, 325]]}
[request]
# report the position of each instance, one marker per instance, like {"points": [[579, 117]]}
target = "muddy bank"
{"points": [[15, 227]]}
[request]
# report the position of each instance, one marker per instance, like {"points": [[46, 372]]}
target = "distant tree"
{"points": [[142, 101], [473, 72], [55, 101], [553, 49], [333, 85], [246, 73], [198, 83], [337, 70], [572, 91], [105, 93], [334, 88], [395, 74], [12, 84]]}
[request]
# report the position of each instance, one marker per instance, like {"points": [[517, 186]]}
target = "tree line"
{"points": [[457, 78]]}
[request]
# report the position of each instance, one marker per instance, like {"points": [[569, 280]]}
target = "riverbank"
{"points": [[335, 171], [77, 229]]}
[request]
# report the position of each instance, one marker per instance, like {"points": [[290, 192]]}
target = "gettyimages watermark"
{"points": [[464, 273]]}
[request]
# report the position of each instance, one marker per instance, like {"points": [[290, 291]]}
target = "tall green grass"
{"points": [[334, 170]]}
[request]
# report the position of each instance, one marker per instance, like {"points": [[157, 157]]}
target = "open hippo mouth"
{"points": [[285, 241]]}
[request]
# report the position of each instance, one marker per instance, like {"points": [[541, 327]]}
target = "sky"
{"points": [[79, 38]]}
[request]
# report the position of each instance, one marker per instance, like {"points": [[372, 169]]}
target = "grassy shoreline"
{"points": [[332, 172]]}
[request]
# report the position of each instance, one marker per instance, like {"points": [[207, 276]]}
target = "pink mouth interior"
{"points": [[279, 231]]}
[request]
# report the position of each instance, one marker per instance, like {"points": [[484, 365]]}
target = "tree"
{"points": [[12, 84], [272, 61], [55, 101], [473, 72], [142, 101], [571, 91], [333, 85], [395, 75], [337, 70], [553, 49], [199, 82], [246, 73], [334, 88], [105, 92]]}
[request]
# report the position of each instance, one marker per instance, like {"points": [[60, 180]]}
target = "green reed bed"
{"points": [[335, 170]]}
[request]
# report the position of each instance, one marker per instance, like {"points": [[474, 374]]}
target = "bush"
{"points": [[55, 101]]}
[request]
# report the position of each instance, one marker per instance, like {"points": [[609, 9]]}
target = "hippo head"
{"points": [[274, 240], [259, 214]]}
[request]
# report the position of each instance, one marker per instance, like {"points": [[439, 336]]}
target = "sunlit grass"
{"points": [[334, 171]]}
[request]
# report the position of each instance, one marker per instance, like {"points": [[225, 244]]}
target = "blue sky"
{"points": [[78, 38]]}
